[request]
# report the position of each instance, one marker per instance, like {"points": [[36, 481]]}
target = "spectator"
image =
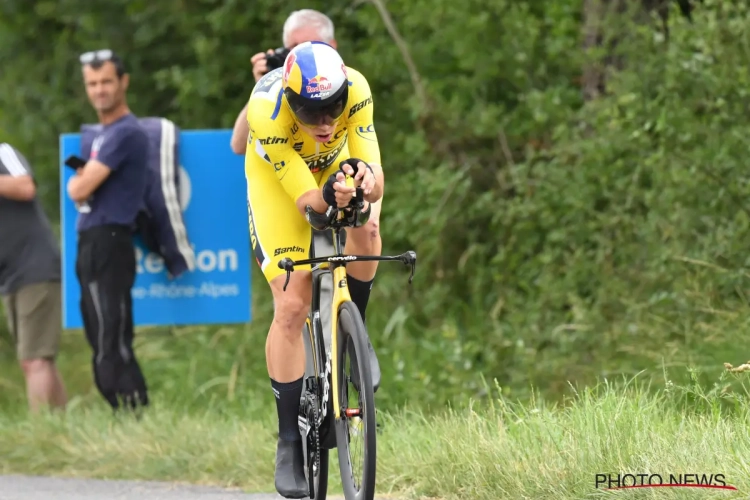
{"points": [[301, 26], [30, 281], [112, 183]]}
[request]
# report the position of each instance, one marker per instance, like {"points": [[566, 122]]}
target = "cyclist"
{"points": [[308, 121], [301, 26]]}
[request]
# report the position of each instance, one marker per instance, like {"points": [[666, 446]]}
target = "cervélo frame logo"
{"points": [[671, 480]]}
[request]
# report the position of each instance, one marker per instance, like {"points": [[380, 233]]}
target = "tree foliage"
{"points": [[559, 238]]}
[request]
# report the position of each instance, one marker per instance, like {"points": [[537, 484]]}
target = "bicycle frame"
{"points": [[336, 265]]}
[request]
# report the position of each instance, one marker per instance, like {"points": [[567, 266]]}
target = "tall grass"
{"points": [[497, 450], [213, 422]]}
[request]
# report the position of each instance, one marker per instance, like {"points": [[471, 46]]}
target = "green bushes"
{"points": [[617, 245]]}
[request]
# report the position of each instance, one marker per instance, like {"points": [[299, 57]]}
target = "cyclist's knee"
{"points": [[291, 306], [367, 235], [372, 229], [291, 310]]}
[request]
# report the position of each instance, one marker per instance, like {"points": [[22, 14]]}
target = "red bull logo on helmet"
{"points": [[318, 84], [290, 60]]}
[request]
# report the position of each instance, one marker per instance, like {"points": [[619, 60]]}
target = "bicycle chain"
{"points": [[311, 403], [316, 432]]}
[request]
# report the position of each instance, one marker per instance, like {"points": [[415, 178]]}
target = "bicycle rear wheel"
{"points": [[355, 429]]}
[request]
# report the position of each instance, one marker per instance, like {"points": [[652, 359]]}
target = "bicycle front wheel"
{"points": [[355, 429]]}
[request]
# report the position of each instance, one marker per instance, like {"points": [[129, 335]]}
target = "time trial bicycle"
{"points": [[337, 406]]}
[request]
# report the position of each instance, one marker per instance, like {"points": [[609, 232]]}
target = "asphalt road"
{"points": [[52, 488]]}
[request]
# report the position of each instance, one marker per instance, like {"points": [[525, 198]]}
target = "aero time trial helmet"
{"points": [[315, 83]]}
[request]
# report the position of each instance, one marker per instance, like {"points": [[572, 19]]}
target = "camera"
{"points": [[276, 60]]}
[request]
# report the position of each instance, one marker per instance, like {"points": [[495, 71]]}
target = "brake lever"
{"points": [[287, 265], [410, 259]]}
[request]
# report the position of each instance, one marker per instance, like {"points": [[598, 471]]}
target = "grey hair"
{"points": [[308, 17]]}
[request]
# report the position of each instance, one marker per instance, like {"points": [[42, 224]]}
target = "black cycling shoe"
{"points": [[374, 366], [290, 470]]}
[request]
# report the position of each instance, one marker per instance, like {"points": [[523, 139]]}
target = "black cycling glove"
{"points": [[329, 194], [353, 162]]}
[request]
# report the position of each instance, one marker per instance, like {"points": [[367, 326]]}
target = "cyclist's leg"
{"points": [[278, 230], [365, 240], [285, 358]]}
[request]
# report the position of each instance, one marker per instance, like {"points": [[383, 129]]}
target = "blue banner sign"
{"points": [[214, 203]]}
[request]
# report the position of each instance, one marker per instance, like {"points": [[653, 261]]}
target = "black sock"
{"points": [[360, 292], [287, 408]]}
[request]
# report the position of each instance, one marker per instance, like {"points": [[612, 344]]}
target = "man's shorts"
{"points": [[34, 320]]}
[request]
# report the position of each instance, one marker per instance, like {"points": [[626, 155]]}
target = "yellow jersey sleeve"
{"points": [[270, 146], [363, 142]]}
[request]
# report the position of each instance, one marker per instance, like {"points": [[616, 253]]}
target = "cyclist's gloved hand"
{"points": [[337, 196], [329, 194], [355, 171], [366, 179]]}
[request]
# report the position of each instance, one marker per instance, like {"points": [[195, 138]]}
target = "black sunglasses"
{"points": [[96, 56]]}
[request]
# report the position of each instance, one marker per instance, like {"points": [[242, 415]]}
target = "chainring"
{"points": [[313, 441]]}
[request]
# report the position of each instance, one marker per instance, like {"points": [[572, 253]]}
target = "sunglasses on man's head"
{"points": [[96, 55]]}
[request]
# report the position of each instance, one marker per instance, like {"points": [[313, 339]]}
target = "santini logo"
{"points": [[279, 251], [274, 140], [629, 481], [359, 106]]}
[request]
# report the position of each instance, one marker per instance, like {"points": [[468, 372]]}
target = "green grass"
{"points": [[497, 451], [213, 422]]}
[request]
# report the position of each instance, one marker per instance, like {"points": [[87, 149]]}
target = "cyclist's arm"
{"points": [[363, 142], [241, 128], [314, 198], [291, 170], [238, 143]]}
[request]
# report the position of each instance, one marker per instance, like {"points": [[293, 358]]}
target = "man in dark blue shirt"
{"points": [[121, 148], [109, 192]]}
